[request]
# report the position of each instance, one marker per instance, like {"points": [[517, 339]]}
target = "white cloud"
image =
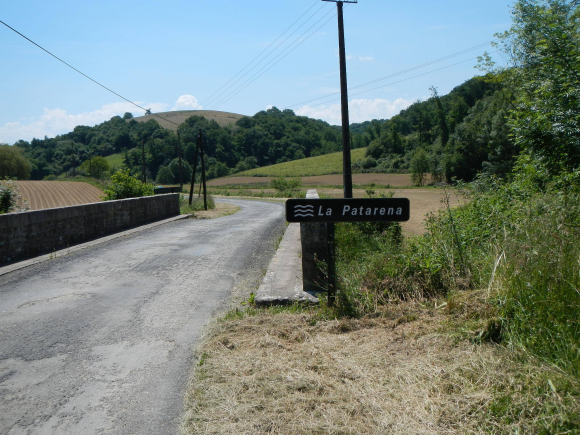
{"points": [[359, 110], [358, 57], [58, 121], [187, 102]]}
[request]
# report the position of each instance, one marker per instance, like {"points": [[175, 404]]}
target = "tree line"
{"points": [[269, 137], [448, 137]]}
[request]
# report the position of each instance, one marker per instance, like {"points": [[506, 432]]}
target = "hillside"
{"points": [[319, 165], [179, 117]]}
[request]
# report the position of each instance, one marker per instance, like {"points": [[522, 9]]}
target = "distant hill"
{"points": [[179, 116]]}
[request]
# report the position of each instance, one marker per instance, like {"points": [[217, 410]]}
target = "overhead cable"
{"points": [[441, 59], [399, 81], [266, 68], [83, 74], [209, 99]]}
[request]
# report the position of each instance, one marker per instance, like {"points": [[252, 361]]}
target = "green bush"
{"points": [[126, 186], [9, 196], [285, 187]]}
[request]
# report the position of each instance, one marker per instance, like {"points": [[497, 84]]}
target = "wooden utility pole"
{"points": [[144, 174], [346, 161], [346, 145], [193, 175], [179, 154], [202, 172], [198, 149]]}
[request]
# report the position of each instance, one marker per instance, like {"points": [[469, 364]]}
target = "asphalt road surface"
{"points": [[101, 341]]}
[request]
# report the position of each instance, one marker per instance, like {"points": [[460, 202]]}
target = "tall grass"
{"points": [[520, 241], [539, 281], [196, 205]]}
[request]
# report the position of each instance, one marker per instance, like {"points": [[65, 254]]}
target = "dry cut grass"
{"points": [[221, 209], [394, 373]]}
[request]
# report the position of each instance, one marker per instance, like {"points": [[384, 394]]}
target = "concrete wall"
{"points": [[31, 233]]}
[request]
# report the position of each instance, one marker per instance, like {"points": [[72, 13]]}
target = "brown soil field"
{"points": [[395, 180], [423, 201], [179, 116], [52, 194]]}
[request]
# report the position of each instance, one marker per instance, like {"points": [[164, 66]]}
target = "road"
{"points": [[101, 341]]}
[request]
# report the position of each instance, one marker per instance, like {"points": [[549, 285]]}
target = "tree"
{"points": [[419, 167], [13, 164], [543, 46], [165, 176], [444, 129], [95, 166], [126, 186], [185, 168]]}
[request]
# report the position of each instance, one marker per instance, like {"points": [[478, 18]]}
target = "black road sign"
{"points": [[348, 210]]}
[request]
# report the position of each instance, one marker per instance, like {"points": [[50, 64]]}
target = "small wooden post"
{"points": [[193, 174], [179, 154]]}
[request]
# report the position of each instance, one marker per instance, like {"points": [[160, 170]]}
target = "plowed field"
{"points": [[51, 194]]}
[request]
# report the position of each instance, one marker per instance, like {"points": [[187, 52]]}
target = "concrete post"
{"points": [[314, 248]]}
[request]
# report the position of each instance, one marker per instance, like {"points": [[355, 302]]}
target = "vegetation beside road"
{"points": [[470, 328], [408, 368]]}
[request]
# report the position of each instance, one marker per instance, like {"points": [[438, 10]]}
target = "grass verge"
{"points": [[408, 368], [197, 204]]}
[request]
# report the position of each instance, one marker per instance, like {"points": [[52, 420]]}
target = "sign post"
{"points": [[346, 163], [345, 210], [348, 210]]}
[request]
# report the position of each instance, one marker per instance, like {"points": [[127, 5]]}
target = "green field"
{"points": [[320, 165], [115, 160]]}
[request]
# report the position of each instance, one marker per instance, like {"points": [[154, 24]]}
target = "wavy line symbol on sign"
{"points": [[304, 210]]}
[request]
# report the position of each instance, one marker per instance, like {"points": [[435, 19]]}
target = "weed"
{"points": [[196, 205]]}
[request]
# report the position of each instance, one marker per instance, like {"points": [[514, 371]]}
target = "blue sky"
{"points": [[175, 54]]}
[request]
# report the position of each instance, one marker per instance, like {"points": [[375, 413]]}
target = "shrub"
{"points": [[9, 196], [126, 186], [519, 239], [196, 204], [286, 187]]}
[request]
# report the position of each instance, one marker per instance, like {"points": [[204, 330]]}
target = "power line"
{"points": [[396, 74], [207, 101], [83, 74], [265, 69], [262, 52], [403, 80]]}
